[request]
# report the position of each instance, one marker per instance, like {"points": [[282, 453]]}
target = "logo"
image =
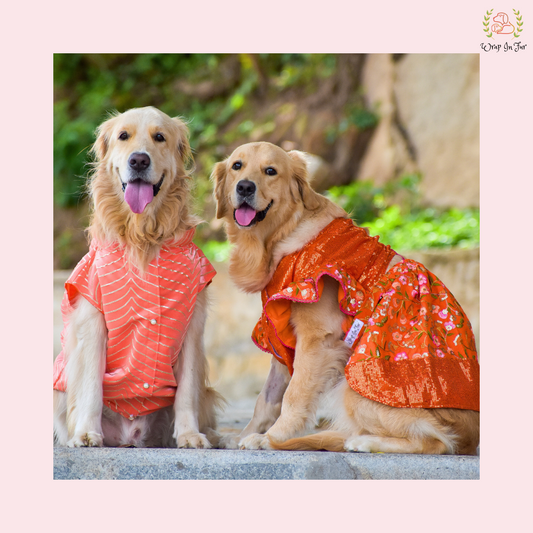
{"points": [[501, 26]]}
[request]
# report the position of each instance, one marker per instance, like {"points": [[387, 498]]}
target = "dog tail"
{"points": [[330, 441]]}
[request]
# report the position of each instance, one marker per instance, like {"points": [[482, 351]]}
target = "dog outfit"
{"points": [[147, 317], [412, 345]]}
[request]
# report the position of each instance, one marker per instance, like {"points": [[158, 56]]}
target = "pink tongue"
{"points": [[138, 195], [244, 215]]}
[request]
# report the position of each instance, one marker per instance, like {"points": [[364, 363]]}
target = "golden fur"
{"points": [[287, 406], [80, 418]]}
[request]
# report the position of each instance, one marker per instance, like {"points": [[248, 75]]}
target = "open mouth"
{"points": [[247, 216], [138, 193]]}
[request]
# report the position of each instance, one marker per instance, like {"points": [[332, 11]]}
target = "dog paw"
{"points": [[361, 443], [193, 440], [88, 439], [229, 441], [255, 441]]}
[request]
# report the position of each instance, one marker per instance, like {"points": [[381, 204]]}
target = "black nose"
{"points": [[245, 188], [139, 161]]}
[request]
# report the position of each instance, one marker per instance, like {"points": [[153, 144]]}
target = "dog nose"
{"points": [[245, 187], [139, 161]]}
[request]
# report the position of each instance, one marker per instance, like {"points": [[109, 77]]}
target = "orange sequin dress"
{"points": [[412, 345], [146, 317]]}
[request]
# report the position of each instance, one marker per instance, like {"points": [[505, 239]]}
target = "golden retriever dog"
{"points": [[272, 217], [133, 371]]}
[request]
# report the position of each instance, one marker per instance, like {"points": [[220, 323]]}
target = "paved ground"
{"points": [[129, 463]]}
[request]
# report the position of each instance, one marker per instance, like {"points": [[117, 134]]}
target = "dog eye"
{"points": [[270, 171], [159, 137], [237, 165], [123, 136]]}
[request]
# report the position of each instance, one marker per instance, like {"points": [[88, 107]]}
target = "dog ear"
{"points": [[218, 176], [184, 148], [103, 134], [300, 181]]}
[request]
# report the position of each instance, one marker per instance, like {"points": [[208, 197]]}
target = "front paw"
{"points": [[255, 441], [88, 439], [230, 441], [193, 440]]}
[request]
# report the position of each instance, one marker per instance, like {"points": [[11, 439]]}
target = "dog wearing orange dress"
{"points": [[133, 371], [376, 337]]}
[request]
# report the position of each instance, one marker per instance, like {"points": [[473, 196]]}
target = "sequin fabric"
{"points": [[146, 317], [416, 347]]}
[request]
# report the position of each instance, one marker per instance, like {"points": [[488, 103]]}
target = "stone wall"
{"points": [[429, 109]]}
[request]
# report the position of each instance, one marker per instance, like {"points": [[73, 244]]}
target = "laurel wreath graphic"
{"points": [[486, 21], [519, 23]]}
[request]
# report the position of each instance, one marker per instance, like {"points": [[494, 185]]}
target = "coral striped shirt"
{"points": [[146, 317]]}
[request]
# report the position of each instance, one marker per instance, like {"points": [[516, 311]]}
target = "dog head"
{"points": [[260, 181], [141, 151], [140, 186]]}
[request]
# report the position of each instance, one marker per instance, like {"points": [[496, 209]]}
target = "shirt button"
{"points": [[146, 385], [153, 321], [131, 417]]}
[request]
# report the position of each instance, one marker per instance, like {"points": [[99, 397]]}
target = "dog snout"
{"points": [[139, 161], [245, 188]]}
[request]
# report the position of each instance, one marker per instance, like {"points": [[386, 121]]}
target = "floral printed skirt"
{"points": [[417, 348]]}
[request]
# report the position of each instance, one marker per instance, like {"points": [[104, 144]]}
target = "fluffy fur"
{"points": [[80, 419], [286, 407]]}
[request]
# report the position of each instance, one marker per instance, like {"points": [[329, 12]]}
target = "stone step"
{"points": [[165, 463]]}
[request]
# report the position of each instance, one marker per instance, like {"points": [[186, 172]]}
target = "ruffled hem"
{"points": [[308, 290]]}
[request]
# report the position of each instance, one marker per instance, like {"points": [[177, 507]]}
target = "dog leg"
{"points": [[85, 351], [192, 394], [60, 418], [375, 444], [319, 361], [268, 406]]}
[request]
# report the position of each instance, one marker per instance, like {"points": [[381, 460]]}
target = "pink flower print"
{"points": [[359, 296], [422, 279], [413, 322], [403, 319], [397, 336], [362, 348], [440, 353], [424, 289], [414, 294], [371, 322], [449, 325], [444, 313], [436, 340], [400, 356], [402, 280], [423, 310], [396, 285]]}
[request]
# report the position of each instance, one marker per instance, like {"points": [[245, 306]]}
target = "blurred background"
{"points": [[393, 138]]}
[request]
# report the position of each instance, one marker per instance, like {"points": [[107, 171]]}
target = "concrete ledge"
{"points": [[159, 463]]}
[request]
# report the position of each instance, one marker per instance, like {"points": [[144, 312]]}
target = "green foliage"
{"points": [[365, 201], [427, 228], [393, 212]]}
